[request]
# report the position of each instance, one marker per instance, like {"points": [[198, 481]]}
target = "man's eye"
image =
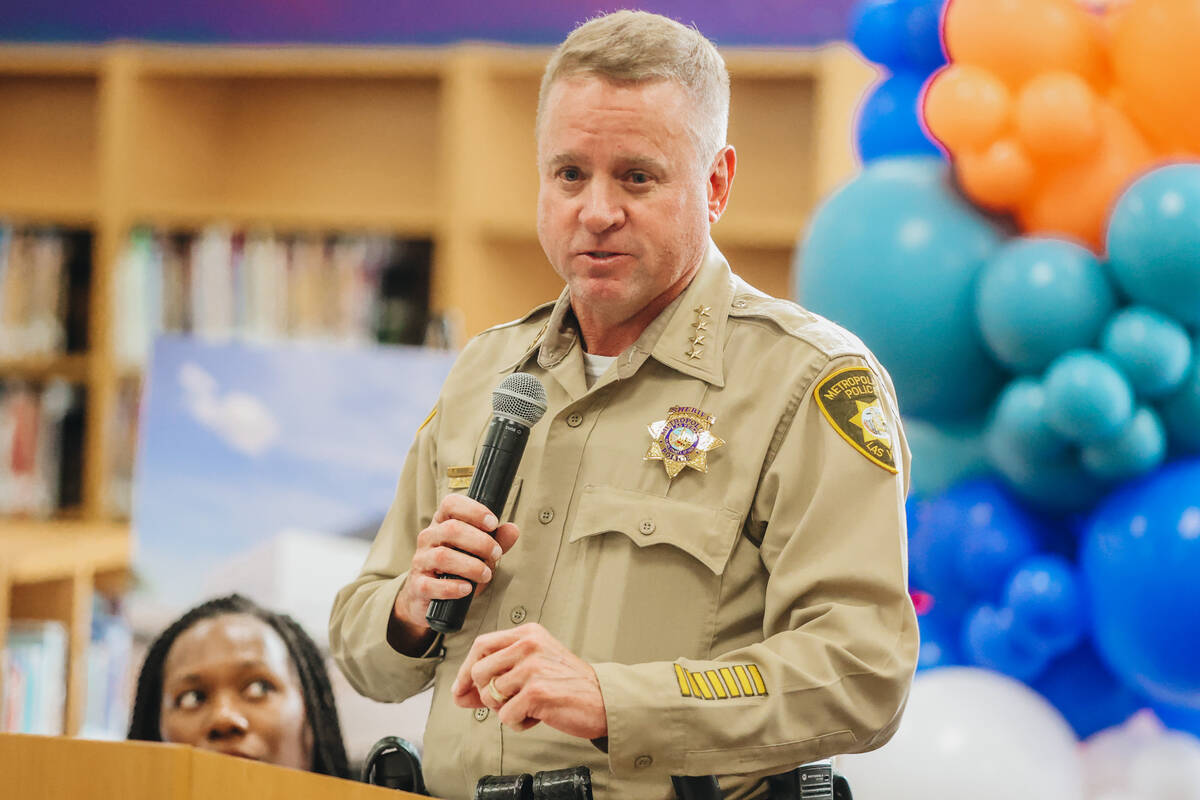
{"points": [[570, 174], [639, 177], [190, 699], [256, 690]]}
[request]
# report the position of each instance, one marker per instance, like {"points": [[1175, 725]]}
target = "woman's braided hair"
{"points": [[329, 752]]}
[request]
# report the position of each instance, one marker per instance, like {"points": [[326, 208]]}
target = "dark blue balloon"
{"points": [[1178, 718], [889, 121], [1141, 568], [988, 641], [966, 541], [940, 632], [875, 29], [1047, 604], [1086, 692], [899, 34]]}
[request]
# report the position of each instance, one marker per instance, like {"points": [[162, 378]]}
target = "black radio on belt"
{"points": [[574, 783]]}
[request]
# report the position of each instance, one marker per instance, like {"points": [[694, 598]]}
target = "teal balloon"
{"points": [[1152, 349], [893, 256], [1154, 241], [1018, 424], [1087, 398], [943, 455], [1181, 411], [1138, 449], [1038, 298], [1057, 484]]}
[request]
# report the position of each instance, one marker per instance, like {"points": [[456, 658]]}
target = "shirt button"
{"points": [[646, 527], [575, 420], [641, 762], [518, 615], [481, 714], [546, 516], [739, 303]]}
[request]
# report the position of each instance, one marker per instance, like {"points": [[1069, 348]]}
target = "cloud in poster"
{"points": [[240, 419]]}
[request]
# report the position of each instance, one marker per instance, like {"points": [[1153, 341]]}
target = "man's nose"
{"points": [[602, 209], [226, 720]]}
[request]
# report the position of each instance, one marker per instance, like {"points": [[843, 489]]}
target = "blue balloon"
{"points": [[1152, 349], [889, 120], [1086, 692], [942, 455], [1039, 298], [1140, 563], [1178, 718], [966, 541], [1181, 409], [988, 641], [1047, 605], [893, 256], [875, 29], [1087, 398], [1138, 449], [899, 34], [939, 640], [1154, 241]]}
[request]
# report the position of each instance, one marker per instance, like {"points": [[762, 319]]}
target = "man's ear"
{"points": [[720, 181]]}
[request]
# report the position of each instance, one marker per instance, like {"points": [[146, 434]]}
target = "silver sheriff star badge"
{"points": [[683, 440]]}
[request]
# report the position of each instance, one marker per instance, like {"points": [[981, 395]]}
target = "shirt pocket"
{"points": [[652, 568]]}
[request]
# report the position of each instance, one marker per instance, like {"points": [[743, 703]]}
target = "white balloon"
{"points": [[971, 733], [1168, 768], [1108, 756]]}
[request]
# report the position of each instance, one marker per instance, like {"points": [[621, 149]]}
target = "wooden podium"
{"points": [[54, 768]]}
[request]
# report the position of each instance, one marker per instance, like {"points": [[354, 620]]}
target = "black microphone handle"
{"points": [[490, 484]]}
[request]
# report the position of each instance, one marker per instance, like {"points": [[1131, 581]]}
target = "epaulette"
{"points": [[793, 319]]}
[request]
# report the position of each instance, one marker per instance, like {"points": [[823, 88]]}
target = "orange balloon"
{"points": [[998, 177], [1056, 116], [1156, 60], [1075, 200], [1018, 39], [966, 107]]}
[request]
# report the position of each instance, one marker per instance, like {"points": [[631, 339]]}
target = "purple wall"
{"points": [[765, 22]]}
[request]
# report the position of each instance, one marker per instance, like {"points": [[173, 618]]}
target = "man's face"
{"points": [[623, 206]]}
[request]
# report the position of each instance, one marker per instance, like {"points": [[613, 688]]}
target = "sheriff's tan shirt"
{"points": [[743, 619]]}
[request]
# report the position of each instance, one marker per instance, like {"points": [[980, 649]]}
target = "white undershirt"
{"points": [[595, 366]]}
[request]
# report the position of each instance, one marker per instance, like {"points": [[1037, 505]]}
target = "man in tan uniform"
{"points": [[710, 571]]}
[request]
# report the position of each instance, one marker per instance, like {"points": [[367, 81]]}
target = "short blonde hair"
{"points": [[631, 47]]}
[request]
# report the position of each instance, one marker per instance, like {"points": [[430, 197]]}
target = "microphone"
{"points": [[517, 404]]}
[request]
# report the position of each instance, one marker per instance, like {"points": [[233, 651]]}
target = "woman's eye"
{"points": [[256, 690], [190, 699]]}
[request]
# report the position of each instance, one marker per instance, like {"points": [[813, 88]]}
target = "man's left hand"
{"points": [[539, 680]]}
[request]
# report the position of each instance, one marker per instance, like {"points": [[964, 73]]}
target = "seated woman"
{"points": [[233, 677]]}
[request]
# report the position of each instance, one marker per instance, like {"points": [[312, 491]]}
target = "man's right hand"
{"points": [[463, 539]]}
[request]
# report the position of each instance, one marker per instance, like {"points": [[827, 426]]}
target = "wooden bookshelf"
{"points": [[432, 143]]}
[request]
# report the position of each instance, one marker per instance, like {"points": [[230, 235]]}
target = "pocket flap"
{"points": [[703, 532]]}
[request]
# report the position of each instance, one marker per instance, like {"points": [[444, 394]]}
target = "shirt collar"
{"points": [[687, 336]]}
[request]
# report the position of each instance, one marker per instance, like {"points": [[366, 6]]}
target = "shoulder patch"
{"points": [[849, 399]]}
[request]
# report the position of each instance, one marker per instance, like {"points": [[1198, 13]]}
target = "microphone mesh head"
{"points": [[520, 397]]}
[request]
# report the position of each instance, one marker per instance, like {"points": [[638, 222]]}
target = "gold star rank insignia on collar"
{"points": [[683, 439]]}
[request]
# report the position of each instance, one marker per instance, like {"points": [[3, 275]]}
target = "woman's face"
{"points": [[229, 685]]}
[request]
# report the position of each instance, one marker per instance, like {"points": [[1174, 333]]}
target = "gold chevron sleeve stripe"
{"points": [[758, 680], [717, 685], [685, 687], [701, 686], [744, 680], [428, 419], [730, 682]]}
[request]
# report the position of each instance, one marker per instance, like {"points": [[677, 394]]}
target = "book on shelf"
{"points": [[44, 274], [35, 677], [221, 283], [41, 431], [109, 673]]}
